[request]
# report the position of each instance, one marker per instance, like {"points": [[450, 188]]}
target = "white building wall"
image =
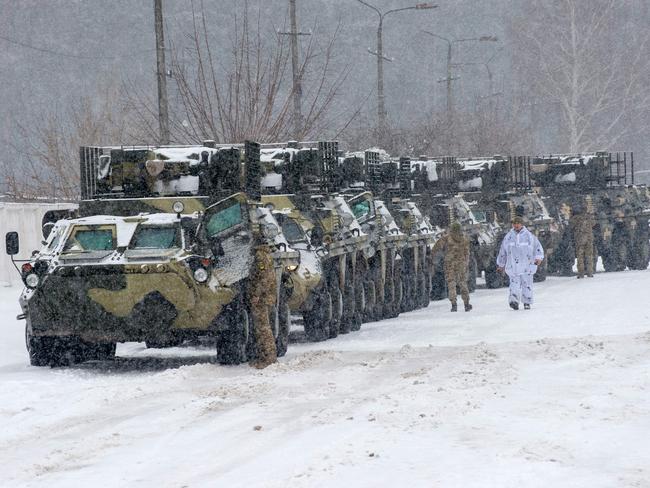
{"points": [[24, 218]]}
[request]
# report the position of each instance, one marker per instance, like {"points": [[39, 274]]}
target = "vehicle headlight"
{"points": [[201, 275], [178, 207], [31, 280], [292, 267]]}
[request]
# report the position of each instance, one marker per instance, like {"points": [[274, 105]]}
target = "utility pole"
{"points": [[450, 77], [163, 108], [298, 123], [382, 114]]}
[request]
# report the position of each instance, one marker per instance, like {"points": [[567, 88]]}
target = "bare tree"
{"points": [[573, 54], [49, 150], [249, 93]]}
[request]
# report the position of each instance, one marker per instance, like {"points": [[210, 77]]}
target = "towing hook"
{"points": [[22, 316]]}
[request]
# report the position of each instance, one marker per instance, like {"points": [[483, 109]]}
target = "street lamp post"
{"points": [[381, 100], [450, 78]]}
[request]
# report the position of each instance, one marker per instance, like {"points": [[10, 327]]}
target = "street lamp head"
{"points": [[425, 6], [488, 38]]}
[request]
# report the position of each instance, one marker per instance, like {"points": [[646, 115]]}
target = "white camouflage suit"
{"points": [[517, 256]]}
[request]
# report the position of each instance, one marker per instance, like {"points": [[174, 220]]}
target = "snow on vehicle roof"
{"points": [[189, 153], [577, 159], [276, 154], [383, 155], [153, 219], [477, 164]]}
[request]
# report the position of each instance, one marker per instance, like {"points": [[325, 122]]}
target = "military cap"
{"points": [[518, 220]]}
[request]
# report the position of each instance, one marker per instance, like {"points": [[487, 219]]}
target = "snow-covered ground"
{"points": [[558, 396]]}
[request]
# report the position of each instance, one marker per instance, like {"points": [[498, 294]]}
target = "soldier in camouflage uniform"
{"points": [[582, 225], [262, 293], [455, 246]]}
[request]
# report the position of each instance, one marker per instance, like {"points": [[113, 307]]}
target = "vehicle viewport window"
{"points": [[361, 209], [292, 231], [91, 240], [224, 219], [147, 237]]}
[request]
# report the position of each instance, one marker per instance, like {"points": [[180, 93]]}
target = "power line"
{"points": [[69, 55]]}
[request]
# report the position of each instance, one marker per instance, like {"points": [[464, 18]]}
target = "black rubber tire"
{"points": [[317, 320], [422, 290], [348, 319], [438, 285], [284, 327], [337, 309], [639, 247], [233, 343], [370, 293], [472, 272], [40, 349]]}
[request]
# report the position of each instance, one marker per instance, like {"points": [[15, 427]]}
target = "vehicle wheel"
{"points": [[387, 304], [471, 274], [369, 301], [336, 310], [638, 251], [409, 294], [423, 297], [40, 349], [438, 285], [348, 319], [360, 304], [428, 283], [616, 256], [563, 258], [374, 308], [284, 327], [233, 342], [318, 320]]}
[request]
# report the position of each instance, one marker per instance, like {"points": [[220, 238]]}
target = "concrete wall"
{"points": [[24, 218]]}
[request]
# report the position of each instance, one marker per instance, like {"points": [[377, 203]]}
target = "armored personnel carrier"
{"points": [[603, 184], [390, 181], [328, 289], [451, 193], [498, 189], [152, 258]]}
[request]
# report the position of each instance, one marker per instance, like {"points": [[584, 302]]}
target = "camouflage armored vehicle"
{"points": [[449, 192], [391, 180], [603, 184], [381, 290], [157, 255], [299, 185], [158, 278], [498, 189], [484, 237]]}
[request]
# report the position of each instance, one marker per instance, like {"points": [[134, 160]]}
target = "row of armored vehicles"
{"points": [[161, 248], [161, 245]]}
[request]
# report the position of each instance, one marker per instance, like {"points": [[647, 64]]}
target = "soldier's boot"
{"points": [[514, 305], [468, 307], [526, 306], [454, 307], [590, 276], [580, 277]]}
